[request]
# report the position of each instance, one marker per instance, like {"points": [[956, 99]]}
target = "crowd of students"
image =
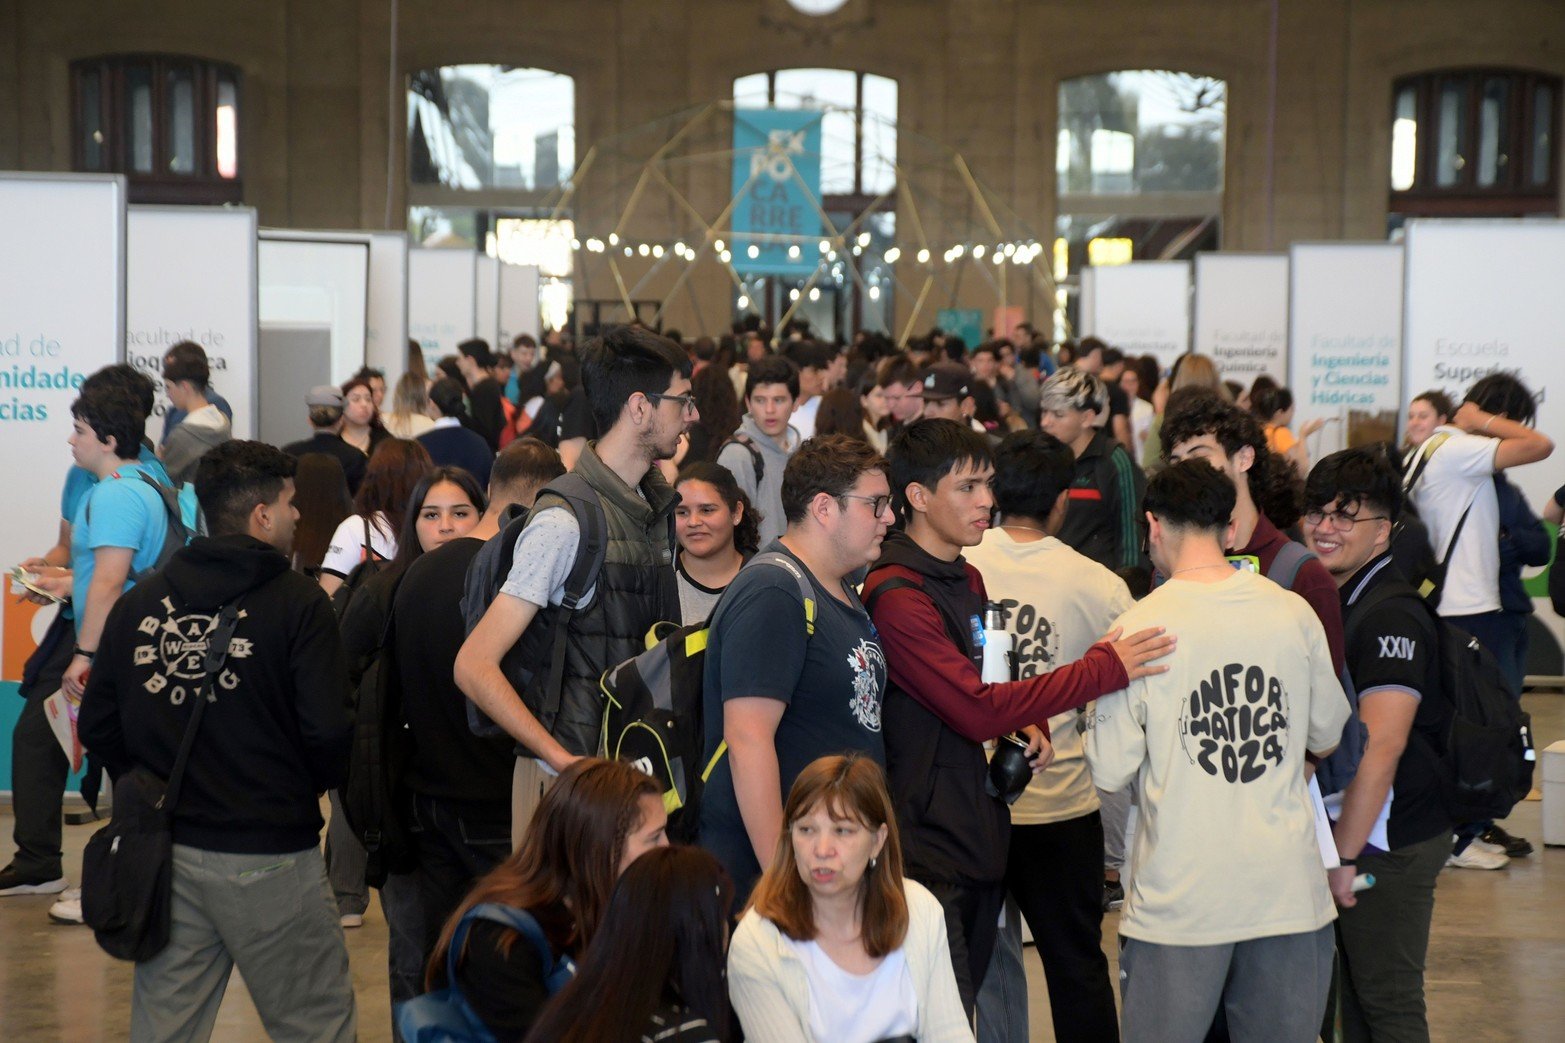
{"points": [[853, 526]]}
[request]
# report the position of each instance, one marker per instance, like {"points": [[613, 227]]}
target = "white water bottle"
{"points": [[997, 645]]}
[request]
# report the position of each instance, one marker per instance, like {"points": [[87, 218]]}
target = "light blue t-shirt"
{"points": [[126, 512], [78, 480]]}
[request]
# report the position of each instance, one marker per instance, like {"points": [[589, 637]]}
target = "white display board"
{"points": [[318, 283], [386, 333], [1345, 341], [1484, 296], [1142, 308], [442, 300], [190, 274], [518, 302], [62, 316], [486, 305], [1241, 314]]}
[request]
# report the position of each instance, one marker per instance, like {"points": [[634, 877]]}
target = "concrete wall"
{"points": [[322, 122]]}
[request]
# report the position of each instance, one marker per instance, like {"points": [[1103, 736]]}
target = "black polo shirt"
{"points": [[1395, 645]]}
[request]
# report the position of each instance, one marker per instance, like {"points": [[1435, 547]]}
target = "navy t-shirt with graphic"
{"points": [[832, 682]]}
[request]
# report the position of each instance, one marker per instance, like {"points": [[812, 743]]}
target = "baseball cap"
{"points": [[323, 395], [945, 380]]}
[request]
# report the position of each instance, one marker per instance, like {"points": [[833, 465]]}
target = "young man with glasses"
{"points": [[638, 384], [1391, 823], [789, 681], [928, 605]]}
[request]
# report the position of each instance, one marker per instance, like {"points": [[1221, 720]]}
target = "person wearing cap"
{"points": [[948, 393], [325, 405]]}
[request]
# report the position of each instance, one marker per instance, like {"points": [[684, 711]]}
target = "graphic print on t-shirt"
{"points": [[1037, 638], [1235, 724], [177, 652], [869, 680]]}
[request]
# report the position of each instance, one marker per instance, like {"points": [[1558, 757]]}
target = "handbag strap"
{"points": [[219, 636]]}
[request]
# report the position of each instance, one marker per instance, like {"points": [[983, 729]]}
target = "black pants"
{"points": [[973, 926], [1055, 875], [39, 768]]}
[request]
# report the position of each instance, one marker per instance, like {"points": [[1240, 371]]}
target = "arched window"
{"points": [[170, 123], [1474, 142], [1139, 168], [858, 179], [489, 147]]}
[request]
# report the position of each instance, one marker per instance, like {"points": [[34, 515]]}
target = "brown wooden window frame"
{"points": [[202, 184], [1512, 193]]}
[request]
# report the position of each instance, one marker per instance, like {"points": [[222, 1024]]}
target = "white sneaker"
{"points": [[1474, 856], [68, 910], [1484, 845], [352, 920]]}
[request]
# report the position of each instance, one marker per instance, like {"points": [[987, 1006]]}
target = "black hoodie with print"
{"points": [[280, 726]]}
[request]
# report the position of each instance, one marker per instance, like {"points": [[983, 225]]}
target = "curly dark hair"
{"points": [[1275, 485]]}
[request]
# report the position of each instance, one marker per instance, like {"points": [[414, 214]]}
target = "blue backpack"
{"points": [[444, 1016], [1336, 771]]}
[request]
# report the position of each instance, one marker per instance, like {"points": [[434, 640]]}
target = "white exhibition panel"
{"points": [[486, 308], [386, 332], [442, 300], [62, 316], [1345, 341], [518, 302], [1241, 314], [190, 274], [1484, 296], [318, 283], [1142, 308], [1085, 283]]}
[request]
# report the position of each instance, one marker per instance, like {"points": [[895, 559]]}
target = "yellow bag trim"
{"points": [[711, 765], [695, 643], [809, 616]]}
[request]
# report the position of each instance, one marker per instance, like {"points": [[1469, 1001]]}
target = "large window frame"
{"points": [[103, 126], [1461, 191]]}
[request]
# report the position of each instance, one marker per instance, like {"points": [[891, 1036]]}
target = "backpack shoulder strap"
{"points": [[757, 461], [581, 499], [1420, 461], [1285, 566], [518, 920], [953, 631], [806, 589]]}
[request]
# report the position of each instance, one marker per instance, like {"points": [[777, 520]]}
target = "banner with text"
{"points": [[1345, 341], [442, 300], [1241, 314], [1141, 308], [190, 274], [1484, 296], [776, 217], [62, 316]]}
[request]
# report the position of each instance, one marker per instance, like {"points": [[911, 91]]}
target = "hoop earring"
{"points": [[872, 862]]}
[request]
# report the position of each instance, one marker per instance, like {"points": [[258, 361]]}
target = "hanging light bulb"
{"points": [[657, 250], [793, 294], [1010, 249], [680, 248], [725, 256], [754, 251], [892, 255], [575, 244], [718, 246], [793, 252], [825, 245], [613, 238], [923, 256], [628, 251], [744, 302], [863, 238], [643, 249], [874, 293], [815, 293], [978, 252], [956, 251]]}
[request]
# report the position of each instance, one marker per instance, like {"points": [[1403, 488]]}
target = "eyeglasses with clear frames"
{"points": [[877, 503], [1340, 521]]}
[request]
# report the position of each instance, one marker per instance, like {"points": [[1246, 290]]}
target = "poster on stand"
{"points": [[1345, 341], [519, 284], [190, 275], [1241, 314], [62, 316], [442, 300], [1141, 308], [318, 283], [386, 329]]}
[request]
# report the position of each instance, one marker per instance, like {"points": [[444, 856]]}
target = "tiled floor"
{"points": [[1496, 969]]}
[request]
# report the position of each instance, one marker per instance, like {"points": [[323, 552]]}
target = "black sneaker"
{"points": [[1113, 895], [1515, 847], [14, 883]]}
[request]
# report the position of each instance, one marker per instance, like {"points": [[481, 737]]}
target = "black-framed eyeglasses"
{"points": [[877, 503], [1340, 521], [687, 402]]}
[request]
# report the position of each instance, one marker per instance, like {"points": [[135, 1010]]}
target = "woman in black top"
{"points": [[659, 953], [596, 819]]}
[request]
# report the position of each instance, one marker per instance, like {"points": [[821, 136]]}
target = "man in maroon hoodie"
{"points": [[927, 604]]}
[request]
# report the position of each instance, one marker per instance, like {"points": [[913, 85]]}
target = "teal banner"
{"points": [[776, 220], [967, 323]]}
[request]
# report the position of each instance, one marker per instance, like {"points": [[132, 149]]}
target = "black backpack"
{"points": [[488, 570], [757, 461], [1486, 765], [654, 718], [375, 798], [178, 533]]}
